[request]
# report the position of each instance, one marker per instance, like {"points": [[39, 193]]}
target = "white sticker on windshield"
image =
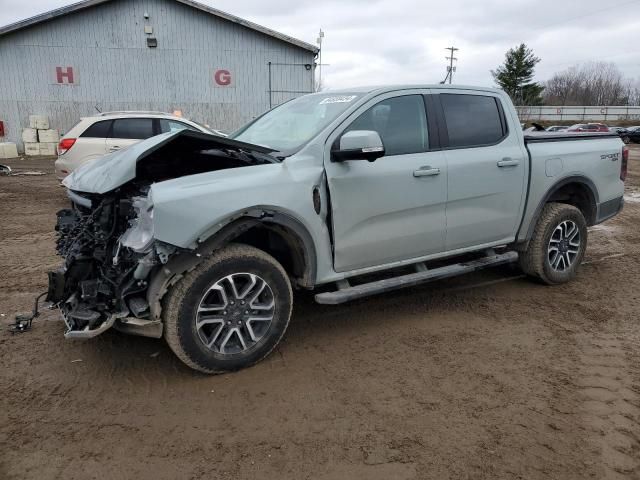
{"points": [[340, 99]]}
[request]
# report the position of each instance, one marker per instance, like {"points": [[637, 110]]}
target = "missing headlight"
{"points": [[139, 236]]}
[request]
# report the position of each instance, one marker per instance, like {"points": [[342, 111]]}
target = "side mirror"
{"points": [[359, 145]]}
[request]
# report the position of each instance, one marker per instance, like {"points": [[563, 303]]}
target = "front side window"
{"points": [[133, 128], [472, 120], [174, 126], [401, 123]]}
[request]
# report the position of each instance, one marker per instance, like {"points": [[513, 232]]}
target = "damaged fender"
{"points": [[234, 227]]}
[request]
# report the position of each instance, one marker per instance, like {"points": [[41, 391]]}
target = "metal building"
{"points": [[161, 55]]}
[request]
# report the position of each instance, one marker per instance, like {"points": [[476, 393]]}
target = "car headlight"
{"points": [[139, 236]]}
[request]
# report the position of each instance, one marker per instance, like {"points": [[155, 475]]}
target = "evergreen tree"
{"points": [[516, 74]]}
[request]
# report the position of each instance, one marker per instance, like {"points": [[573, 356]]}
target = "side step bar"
{"points": [[409, 280]]}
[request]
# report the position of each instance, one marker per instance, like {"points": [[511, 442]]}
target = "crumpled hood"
{"points": [[113, 170]]}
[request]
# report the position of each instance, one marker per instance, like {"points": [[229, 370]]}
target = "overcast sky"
{"points": [[402, 41]]}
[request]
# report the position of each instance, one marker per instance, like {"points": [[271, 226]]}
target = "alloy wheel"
{"points": [[564, 246], [235, 313]]}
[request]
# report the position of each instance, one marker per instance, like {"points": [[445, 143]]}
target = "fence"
{"points": [[555, 113]]}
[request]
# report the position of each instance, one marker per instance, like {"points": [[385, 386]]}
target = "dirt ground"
{"points": [[479, 377]]}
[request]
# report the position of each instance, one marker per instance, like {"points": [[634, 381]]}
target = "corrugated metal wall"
{"points": [[115, 70], [591, 114]]}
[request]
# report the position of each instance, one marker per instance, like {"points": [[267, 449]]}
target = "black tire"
{"points": [[626, 139], [536, 261], [183, 300]]}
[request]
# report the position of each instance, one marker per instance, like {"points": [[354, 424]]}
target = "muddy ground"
{"points": [[485, 376]]}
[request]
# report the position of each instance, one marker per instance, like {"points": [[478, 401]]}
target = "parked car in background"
{"points": [[95, 136], [557, 128], [588, 127], [631, 135], [622, 132]]}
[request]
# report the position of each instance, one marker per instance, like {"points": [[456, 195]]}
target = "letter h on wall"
{"points": [[64, 75]]}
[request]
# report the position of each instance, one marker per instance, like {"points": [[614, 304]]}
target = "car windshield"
{"points": [[288, 127]]}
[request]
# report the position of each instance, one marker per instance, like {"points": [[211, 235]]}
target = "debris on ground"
{"points": [[27, 173]]}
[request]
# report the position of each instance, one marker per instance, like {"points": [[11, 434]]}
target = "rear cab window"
{"points": [[473, 120]]}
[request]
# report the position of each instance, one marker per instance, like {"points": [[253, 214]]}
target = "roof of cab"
{"points": [[393, 88]]}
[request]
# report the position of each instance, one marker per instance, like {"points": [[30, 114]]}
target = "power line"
{"points": [[450, 67]]}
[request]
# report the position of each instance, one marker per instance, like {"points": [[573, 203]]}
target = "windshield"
{"points": [[289, 126]]}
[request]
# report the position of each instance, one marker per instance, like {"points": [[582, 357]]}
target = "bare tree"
{"points": [[596, 83], [633, 92]]}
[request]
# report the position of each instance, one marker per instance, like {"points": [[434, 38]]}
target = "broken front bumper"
{"points": [[80, 321]]}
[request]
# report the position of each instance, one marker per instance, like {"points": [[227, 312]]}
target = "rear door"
{"points": [[92, 142], [393, 208], [127, 131], [486, 162]]}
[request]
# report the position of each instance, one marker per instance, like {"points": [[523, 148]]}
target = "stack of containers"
{"points": [[39, 139]]}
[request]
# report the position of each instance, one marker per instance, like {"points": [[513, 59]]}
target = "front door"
{"points": [[393, 208]]}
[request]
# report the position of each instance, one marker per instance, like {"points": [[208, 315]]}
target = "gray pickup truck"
{"points": [[202, 239]]}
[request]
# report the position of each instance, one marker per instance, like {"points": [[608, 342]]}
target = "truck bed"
{"points": [[536, 137]]}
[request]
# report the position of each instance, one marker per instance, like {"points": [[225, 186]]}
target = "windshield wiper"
{"points": [[251, 157]]}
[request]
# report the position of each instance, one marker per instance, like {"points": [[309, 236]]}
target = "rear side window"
{"points": [[133, 128], [401, 123], [98, 130], [472, 120]]}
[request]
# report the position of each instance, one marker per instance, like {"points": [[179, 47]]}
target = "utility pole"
{"points": [[319, 40], [450, 68]]}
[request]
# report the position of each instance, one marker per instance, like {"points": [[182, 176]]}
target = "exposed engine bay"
{"points": [[107, 240]]}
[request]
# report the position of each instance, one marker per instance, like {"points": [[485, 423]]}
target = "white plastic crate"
{"points": [[39, 122], [31, 149], [30, 135], [48, 136], [48, 148], [8, 150]]}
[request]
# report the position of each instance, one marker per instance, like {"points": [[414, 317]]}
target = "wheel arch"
{"points": [[576, 190], [275, 232]]}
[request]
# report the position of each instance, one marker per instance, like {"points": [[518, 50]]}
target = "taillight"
{"points": [[625, 162], [65, 144]]}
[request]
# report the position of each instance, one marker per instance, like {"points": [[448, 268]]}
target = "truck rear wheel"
{"points": [[558, 244], [230, 311]]}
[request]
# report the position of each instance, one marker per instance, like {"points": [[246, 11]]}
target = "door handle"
{"points": [[115, 148], [426, 171], [508, 162]]}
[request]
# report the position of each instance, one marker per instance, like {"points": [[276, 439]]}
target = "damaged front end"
{"points": [[107, 238], [109, 251]]}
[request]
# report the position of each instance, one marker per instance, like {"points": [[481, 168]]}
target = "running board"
{"points": [[380, 286]]}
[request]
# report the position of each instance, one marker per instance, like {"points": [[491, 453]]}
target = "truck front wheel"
{"points": [[558, 244], [230, 311]]}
